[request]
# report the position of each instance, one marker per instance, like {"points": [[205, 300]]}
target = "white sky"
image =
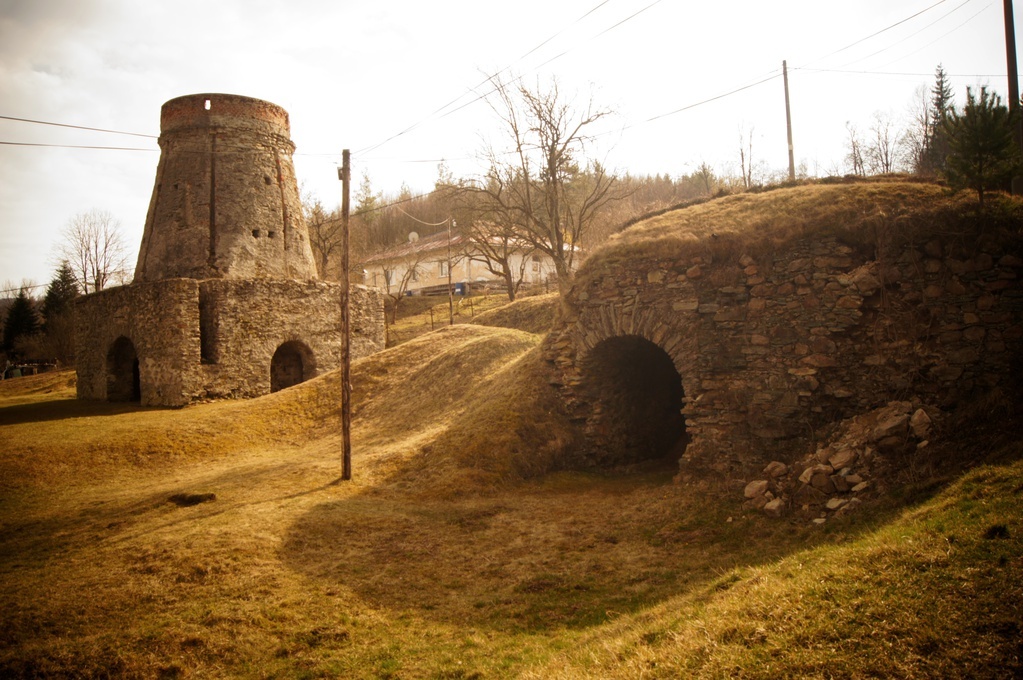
{"points": [[353, 74]]}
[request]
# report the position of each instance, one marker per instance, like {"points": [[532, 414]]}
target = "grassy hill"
{"points": [[534, 314], [862, 214], [215, 541]]}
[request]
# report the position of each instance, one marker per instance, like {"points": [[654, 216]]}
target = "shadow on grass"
{"points": [[61, 409], [569, 552]]}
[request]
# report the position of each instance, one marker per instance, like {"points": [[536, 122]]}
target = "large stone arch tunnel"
{"points": [[636, 397]]}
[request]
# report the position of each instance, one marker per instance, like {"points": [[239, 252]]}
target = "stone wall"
{"points": [[216, 338], [770, 348], [224, 302], [247, 321], [161, 321]]}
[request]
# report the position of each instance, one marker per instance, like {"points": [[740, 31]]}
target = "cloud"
{"points": [[30, 29]]}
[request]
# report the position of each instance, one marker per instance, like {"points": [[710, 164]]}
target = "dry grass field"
{"points": [[216, 541]]}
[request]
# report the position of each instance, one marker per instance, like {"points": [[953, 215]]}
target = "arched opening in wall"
{"points": [[292, 363], [123, 381], [636, 396]]}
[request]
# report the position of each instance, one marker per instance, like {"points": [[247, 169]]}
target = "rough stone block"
{"points": [[756, 488]]}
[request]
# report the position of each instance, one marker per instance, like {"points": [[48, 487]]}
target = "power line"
{"points": [[943, 35], [769, 78], [472, 90], [78, 127], [425, 224], [901, 73], [877, 33], [628, 18], [47, 285], [76, 146], [21, 288], [490, 78], [919, 31], [773, 75]]}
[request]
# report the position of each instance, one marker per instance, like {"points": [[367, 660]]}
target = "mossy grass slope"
{"points": [[863, 215]]}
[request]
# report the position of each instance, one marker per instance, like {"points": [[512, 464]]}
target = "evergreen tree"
{"points": [[22, 322], [60, 294], [982, 154], [942, 106], [58, 315]]}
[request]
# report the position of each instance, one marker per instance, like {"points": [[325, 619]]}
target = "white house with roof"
{"points": [[420, 267]]}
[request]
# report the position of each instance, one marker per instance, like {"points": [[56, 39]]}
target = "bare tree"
{"points": [[746, 157], [325, 233], [93, 246], [495, 245], [549, 192], [886, 150], [398, 279], [917, 137], [854, 155]]}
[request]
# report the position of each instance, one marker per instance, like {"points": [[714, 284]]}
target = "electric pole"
{"points": [[451, 293], [1010, 58], [345, 175], [788, 121]]}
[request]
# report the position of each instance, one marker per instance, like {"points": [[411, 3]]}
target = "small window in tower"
{"points": [[266, 178], [271, 234], [207, 104], [255, 233]]}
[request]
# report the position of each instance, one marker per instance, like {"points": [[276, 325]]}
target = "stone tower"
{"points": [[225, 203], [225, 301]]}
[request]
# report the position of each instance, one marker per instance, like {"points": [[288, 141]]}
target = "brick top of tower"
{"points": [[229, 110]]}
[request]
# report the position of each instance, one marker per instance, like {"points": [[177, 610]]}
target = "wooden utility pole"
{"points": [[345, 175], [788, 121], [451, 293], [1010, 58]]}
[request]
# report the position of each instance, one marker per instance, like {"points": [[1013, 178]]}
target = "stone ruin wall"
{"points": [[248, 320], [225, 279], [771, 349], [215, 338], [162, 321]]}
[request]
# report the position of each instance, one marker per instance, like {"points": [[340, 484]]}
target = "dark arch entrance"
{"points": [[636, 396], [123, 382], [292, 363]]}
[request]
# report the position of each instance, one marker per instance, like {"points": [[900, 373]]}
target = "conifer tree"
{"points": [[60, 294], [942, 106], [22, 322], [982, 154], [58, 315]]}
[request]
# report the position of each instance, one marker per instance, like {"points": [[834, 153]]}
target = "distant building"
{"points": [[424, 262]]}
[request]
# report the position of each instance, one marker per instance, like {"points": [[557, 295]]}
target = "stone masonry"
{"points": [[225, 202], [225, 301], [766, 350]]}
